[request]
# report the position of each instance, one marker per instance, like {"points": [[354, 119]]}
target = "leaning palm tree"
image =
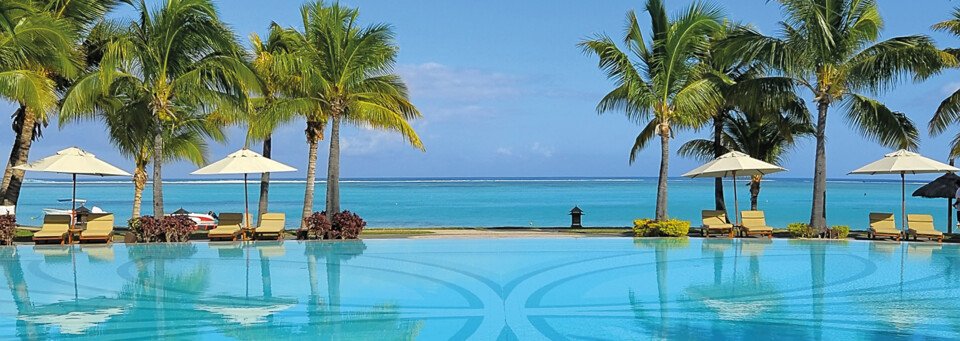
{"points": [[764, 136], [831, 48], [348, 73], [40, 43], [948, 113], [663, 86], [182, 60], [279, 101]]}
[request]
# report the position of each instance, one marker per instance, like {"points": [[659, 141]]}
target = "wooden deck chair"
{"points": [[755, 223], [715, 221], [99, 227], [921, 225], [55, 227], [883, 225], [270, 224], [229, 226]]}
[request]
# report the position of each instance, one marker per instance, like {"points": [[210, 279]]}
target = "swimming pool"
{"points": [[587, 289]]}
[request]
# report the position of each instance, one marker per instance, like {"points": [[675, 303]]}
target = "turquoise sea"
{"points": [[524, 202]]}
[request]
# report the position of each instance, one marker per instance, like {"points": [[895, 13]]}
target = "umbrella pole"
{"points": [[736, 204], [73, 211], [246, 203], [903, 203]]}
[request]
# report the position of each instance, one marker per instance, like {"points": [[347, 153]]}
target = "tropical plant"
{"points": [[841, 231], [663, 86], [661, 228], [279, 101], [40, 52], [763, 136], [181, 60], [801, 230], [948, 113], [742, 85], [346, 70], [130, 128], [830, 47]]}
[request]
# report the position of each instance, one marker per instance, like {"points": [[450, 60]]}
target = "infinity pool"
{"points": [[582, 289]]}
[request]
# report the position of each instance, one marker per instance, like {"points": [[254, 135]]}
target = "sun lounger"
{"points": [[715, 221], [99, 227], [229, 226], [883, 225], [270, 224], [921, 225], [755, 223], [55, 227]]}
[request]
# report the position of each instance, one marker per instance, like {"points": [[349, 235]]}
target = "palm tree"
{"points": [[830, 47], [130, 128], [348, 73], [763, 136], [182, 60], [279, 100], [742, 85], [663, 86], [40, 52], [948, 112]]}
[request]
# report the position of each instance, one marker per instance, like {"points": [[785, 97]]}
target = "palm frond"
{"points": [[877, 122]]}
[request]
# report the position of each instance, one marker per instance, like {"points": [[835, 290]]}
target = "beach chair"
{"points": [[715, 221], [99, 227], [883, 225], [55, 227], [229, 226], [270, 224], [755, 223], [921, 225]]}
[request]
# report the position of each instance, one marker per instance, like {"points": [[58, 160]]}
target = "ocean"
{"points": [[516, 202]]}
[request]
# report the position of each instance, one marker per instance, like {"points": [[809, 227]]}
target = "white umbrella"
{"points": [[733, 164], [73, 161], [904, 162], [244, 162]]}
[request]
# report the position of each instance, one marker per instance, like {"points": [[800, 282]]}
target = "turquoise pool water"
{"points": [[499, 202], [529, 289]]}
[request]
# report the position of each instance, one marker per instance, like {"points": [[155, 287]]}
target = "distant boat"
{"points": [[202, 221]]}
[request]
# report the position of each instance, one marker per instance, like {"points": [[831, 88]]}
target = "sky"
{"points": [[505, 92]]}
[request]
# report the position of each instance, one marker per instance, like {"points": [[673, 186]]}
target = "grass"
{"points": [[394, 232]]}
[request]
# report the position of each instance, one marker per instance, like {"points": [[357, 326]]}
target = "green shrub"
{"points": [[800, 230], [666, 228], [842, 231]]}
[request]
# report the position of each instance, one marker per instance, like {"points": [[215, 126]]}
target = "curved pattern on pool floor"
{"points": [[528, 289]]}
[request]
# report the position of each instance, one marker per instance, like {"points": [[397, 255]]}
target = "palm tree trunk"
{"points": [[157, 170], [264, 182], [312, 141], [720, 204], [13, 178], [754, 192], [139, 182], [661, 213], [817, 214], [333, 167]]}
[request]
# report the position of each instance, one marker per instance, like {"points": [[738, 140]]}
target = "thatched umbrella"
{"points": [[943, 187]]}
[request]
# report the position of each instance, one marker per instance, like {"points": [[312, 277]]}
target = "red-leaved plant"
{"points": [[151, 230], [8, 226], [176, 228], [318, 224], [343, 225]]}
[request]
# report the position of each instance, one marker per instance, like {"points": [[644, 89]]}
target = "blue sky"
{"points": [[504, 91]]}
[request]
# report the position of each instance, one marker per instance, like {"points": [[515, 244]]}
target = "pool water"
{"points": [[527, 289]]}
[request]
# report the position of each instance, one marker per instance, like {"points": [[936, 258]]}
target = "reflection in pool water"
{"points": [[604, 288]]}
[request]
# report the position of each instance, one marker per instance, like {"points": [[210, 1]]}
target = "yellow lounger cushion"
{"points": [[883, 223], [754, 221], [715, 219], [922, 224]]}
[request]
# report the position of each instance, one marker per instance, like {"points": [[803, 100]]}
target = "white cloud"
{"points": [[438, 81], [504, 151], [546, 151]]}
